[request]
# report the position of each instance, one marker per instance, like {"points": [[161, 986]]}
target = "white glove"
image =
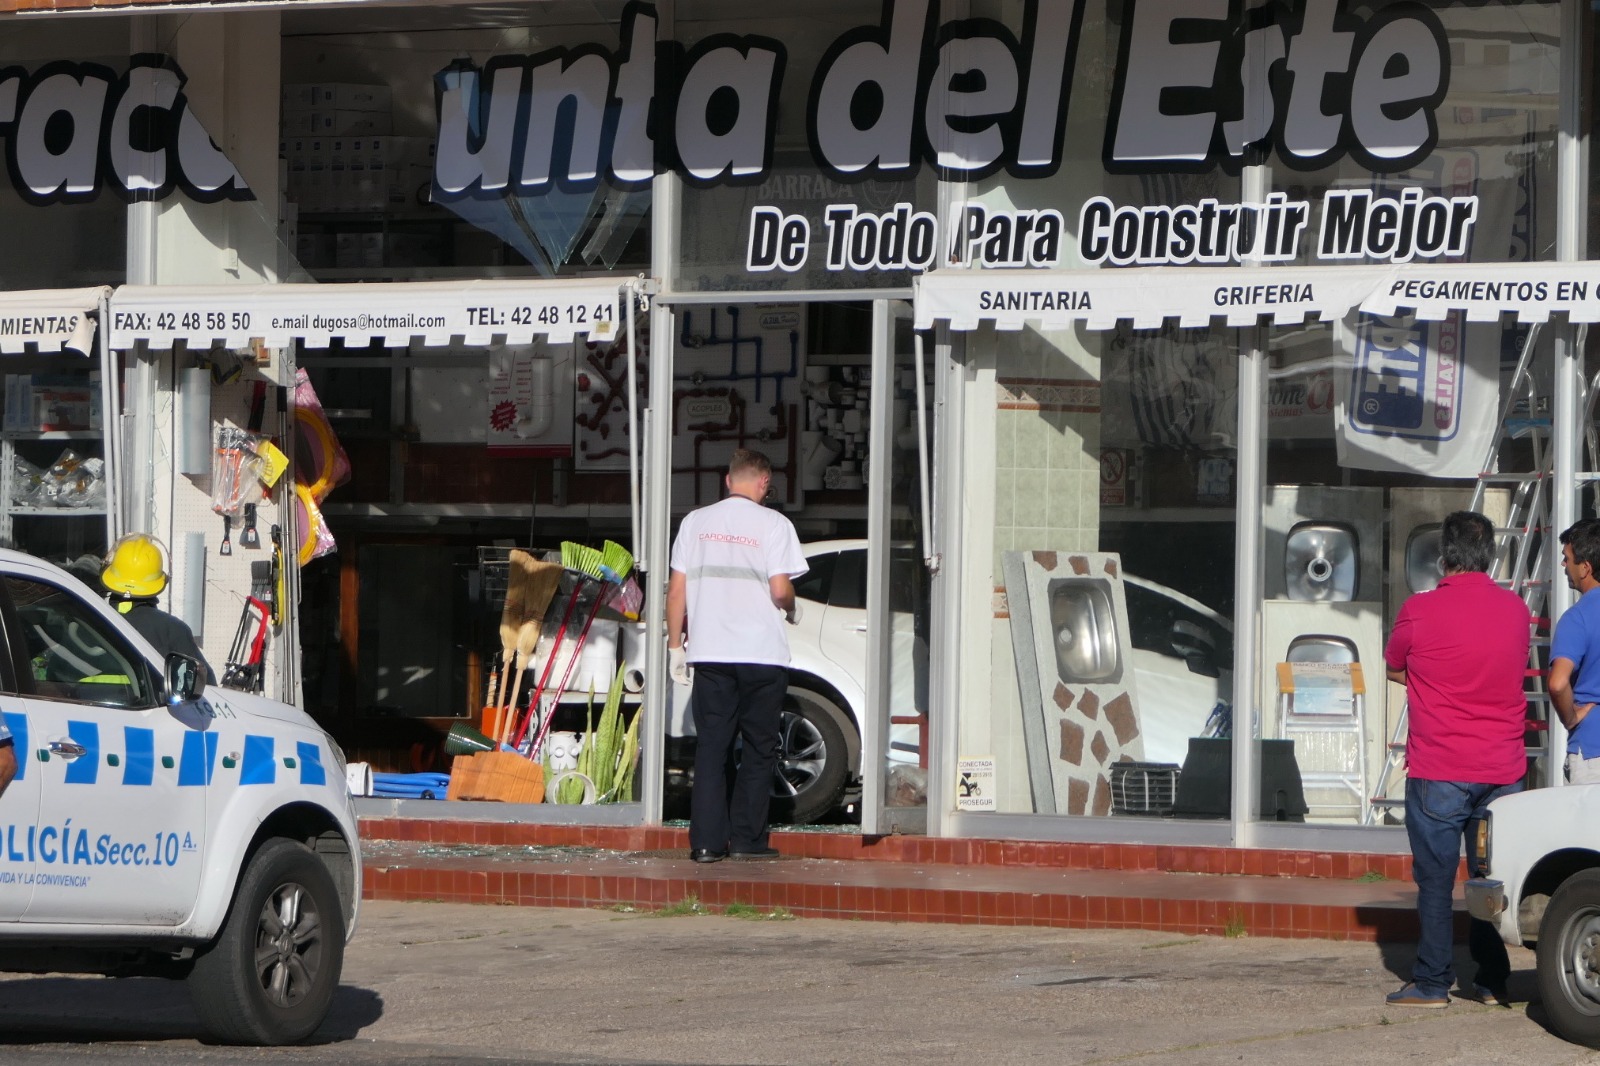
{"points": [[678, 665]]}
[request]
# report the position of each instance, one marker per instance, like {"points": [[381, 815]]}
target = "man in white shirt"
{"points": [[733, 565]]}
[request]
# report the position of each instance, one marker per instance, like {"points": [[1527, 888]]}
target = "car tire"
{"points": [[266, 981], [1569, 959], [813, 759]]}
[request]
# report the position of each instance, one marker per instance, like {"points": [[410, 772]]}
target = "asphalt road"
{"points": [[436, 984]]}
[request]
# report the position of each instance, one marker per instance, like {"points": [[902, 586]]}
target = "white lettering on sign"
{"points": [[1365, 86], [72, 129], [969, 96]]}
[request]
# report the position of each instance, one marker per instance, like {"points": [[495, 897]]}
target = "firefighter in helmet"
{"points": [[134, 576]]}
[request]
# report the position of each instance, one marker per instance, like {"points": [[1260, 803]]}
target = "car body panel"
{"points": [[1526, 830], [162, 808]]}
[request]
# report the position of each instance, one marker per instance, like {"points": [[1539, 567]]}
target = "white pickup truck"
{"points": [[1541, 855], [157, 827]]}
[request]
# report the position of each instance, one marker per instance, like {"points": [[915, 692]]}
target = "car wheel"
{"points": [[1569, 959], [270, 975], [813, 761]]}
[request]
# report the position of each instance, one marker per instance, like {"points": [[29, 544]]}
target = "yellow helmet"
{"points": [[136, 566]]}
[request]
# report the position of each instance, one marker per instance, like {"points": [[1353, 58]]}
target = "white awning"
{"points": [[48, 320], [1245, 296], [437, 313]]}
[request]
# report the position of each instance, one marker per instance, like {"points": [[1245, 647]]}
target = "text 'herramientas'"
{"points": [[1352, 224]]}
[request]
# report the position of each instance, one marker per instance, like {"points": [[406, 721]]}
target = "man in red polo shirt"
{"points": [[1461, 651]]}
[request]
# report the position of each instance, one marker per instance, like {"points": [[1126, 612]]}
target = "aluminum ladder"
{"points": [[1521, 562]]}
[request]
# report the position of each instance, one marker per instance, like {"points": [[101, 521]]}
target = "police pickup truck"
{"points": [[157, 827], [1541, 854]]}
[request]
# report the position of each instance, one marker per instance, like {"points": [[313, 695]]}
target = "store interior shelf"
{"points": [[50, 434], [57, 512], [1109, 515], [429, 273], [475, 510]]}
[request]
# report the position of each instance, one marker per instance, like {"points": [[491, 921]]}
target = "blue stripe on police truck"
{"points": [[311, 771], [259, 767], [18, 724], [199, 757], [140, 747], [85, 769]]}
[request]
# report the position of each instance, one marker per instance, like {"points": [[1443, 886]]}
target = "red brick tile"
{"points": [[1095, 913]]}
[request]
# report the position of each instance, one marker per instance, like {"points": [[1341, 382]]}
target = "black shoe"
{"points": [[707, 855], [755, 853]]}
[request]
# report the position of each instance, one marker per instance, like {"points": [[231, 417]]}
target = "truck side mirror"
{"points": [[185, 678]]}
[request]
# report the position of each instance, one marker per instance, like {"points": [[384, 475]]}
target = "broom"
{"points": [[543, 580], [531, 587], [612, 566], [518, 576]]}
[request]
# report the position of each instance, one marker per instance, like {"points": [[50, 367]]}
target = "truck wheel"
{"points": [[270, 975], [813, 760], [1569, 959]]}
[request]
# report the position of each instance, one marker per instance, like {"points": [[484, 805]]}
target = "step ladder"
{"points": [[1521, 562]]}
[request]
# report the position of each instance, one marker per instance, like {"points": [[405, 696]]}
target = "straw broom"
{"points": [[539, 582], [518, 580]]}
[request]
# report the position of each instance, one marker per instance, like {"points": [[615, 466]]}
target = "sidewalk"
{"points": [[1217, 891]]}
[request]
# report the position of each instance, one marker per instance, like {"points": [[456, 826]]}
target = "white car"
{"points": [[158, 827], [1540, 855], [1182, 654]]}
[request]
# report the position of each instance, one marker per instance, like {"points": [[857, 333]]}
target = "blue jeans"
{"points": [[1438, 815]]}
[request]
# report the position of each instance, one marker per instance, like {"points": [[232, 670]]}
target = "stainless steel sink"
{"points": [[1083, 626], [1321, 562]]}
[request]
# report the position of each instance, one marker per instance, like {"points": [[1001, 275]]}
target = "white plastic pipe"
{"points": [[194, 396], [542, 411]]}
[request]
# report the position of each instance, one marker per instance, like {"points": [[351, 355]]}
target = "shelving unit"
{"points": [[60, 534]]}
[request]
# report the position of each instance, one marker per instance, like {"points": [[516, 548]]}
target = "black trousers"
{"points": [[744, 701]]}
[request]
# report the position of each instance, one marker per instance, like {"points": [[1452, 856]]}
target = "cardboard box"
{"points": [[45, 403], [347, 250], [335, 96], [297, 123]]}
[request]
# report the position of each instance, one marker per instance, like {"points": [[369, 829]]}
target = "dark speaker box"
{"points": [[1205, 786]]}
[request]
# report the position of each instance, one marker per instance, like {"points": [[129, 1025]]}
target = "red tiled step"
{"points": [[970, 894], [1338, 866]]}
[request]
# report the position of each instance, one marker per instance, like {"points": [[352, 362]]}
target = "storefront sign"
{"points": [[1480, 292], [965, 95], [71, 129]]}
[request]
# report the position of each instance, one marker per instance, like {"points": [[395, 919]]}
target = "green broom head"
{"points": [[616, 562], [581, 557]]}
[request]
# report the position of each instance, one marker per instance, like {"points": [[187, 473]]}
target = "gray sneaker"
{"points": [[1487, 995], [1409, 995]]}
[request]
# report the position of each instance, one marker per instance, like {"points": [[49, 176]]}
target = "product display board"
{"points": [[437, 313], [738, 379]]}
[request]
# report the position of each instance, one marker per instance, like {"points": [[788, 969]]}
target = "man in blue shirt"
{"points": [[1574, 682]]}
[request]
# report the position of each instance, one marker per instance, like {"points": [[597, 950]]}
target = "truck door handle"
{"points": [[68, 749], [858, 628]]}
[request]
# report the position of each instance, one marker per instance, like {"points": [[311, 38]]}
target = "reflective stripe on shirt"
{"points": [[732, 573]]}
